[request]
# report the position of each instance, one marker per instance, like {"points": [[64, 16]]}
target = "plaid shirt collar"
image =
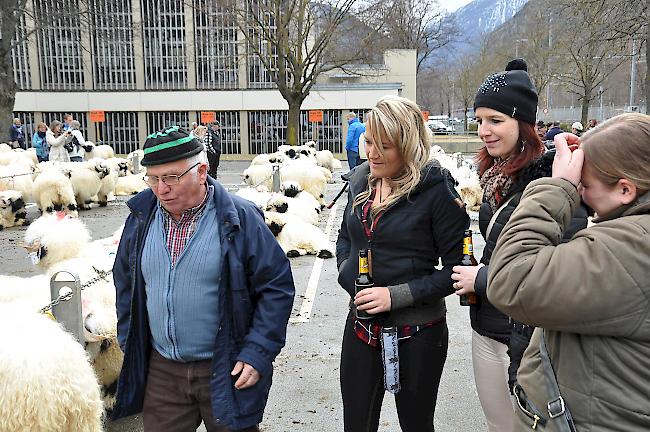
{"points": [[191, 213]]}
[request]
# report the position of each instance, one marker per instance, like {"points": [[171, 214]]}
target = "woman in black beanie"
{"points": [[513, 155]]}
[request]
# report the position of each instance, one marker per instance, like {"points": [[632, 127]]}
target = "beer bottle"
{"points": [[468, 260], [363, 281]]}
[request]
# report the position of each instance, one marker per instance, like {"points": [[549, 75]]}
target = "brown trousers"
{"points": [[177, 397]]}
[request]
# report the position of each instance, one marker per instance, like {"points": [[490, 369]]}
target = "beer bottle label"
{"points": [[363, 265], [468, 247]]}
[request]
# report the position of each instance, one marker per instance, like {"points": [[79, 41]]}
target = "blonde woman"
{"points": [[405, 210], [591, 295]]}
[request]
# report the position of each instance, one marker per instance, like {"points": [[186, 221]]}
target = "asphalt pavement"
{"points": [[305, 395]]}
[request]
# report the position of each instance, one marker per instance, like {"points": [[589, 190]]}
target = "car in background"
{"points": [[438, 127]]}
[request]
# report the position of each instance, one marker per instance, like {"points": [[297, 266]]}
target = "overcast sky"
{"points": [[452, 5]]}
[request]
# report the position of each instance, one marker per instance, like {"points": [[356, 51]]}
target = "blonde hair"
{"points": [[618, 148], [200, 131], [401, 121]]}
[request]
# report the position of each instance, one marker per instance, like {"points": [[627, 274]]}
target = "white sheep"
{"points": [[47, 383], [61, 243], [325, 158], [260, 159], [310, 180], [295, 206], [120, 165], [107, 185], [297, 237], [259, 198], [12, 209], [130, 184], [18, 176], [86, 178], [103, 151], [53, 191]]}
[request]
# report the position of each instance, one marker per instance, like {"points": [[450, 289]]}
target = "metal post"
{"points": [[136, 163], [68, 313], [632, 76], [276, 178]]}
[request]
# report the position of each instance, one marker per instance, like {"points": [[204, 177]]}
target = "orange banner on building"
{"points": [[208, 117], [97, 116], [316, 116]]}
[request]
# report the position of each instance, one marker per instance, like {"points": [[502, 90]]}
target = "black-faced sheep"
{"points": [[86, 180], [297, 237], [295, 206], [130, 184], [53, 191], [62, 243], [102, 151], [12, 209]]}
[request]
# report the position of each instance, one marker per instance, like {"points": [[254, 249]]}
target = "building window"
{"points": [[59, 44], [215, 39], [230, 135], [20, 57], [120, 131], [258, 75], [49, 117], [113, 57], [266, 131], [159, 120], [327, 134], [163, 27], [27, 120]]}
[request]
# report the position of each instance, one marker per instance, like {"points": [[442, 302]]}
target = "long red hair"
{"points": [[532, 149]]}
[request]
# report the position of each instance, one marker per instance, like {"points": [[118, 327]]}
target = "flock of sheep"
{"points": [[57, 384], [57, 186]]}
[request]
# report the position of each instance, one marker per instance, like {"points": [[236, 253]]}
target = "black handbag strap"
{"points": [[557, 409]]}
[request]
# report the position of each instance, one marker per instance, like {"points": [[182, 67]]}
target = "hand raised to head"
{"points": [[568, 158]]}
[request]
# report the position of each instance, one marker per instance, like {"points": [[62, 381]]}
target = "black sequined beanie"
{"points": [[169, 145], [510, 92]]}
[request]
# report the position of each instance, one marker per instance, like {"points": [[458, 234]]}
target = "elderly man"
{"points": [[355, 129], [204, 293]]}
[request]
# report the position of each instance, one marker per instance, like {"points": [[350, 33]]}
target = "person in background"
{"points": [[39, 142], [18, 135], [406, 209], [193, 127], [77, 144], [363, 156], [541, 129], [512, 157], [592, 124], [203, 295], [56, 140], [554, 130], [355, 129], [212, 144], [576, 128], [67, 120], [590, 297]]}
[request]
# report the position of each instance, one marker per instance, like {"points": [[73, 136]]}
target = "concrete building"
{"points": [[147, 64]]}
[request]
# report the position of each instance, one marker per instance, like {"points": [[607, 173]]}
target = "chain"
{"points": [[16, 175], [101, 275]]}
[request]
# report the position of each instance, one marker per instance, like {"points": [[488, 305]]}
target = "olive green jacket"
{"points": [[592, 295]]}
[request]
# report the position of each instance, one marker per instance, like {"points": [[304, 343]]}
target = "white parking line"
{"points": [[305, 309]]}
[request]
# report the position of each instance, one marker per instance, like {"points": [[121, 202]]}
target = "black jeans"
{"points": [[213, 161], [422, 358]]}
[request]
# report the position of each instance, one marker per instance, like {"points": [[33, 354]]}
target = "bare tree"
{"points": [[293, 41], [595, 47], [419, 25]]}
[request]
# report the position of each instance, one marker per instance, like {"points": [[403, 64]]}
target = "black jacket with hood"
{"points": [[407, 242]]}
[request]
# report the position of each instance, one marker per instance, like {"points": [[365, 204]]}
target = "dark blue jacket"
{"points": [[256, 297]]}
